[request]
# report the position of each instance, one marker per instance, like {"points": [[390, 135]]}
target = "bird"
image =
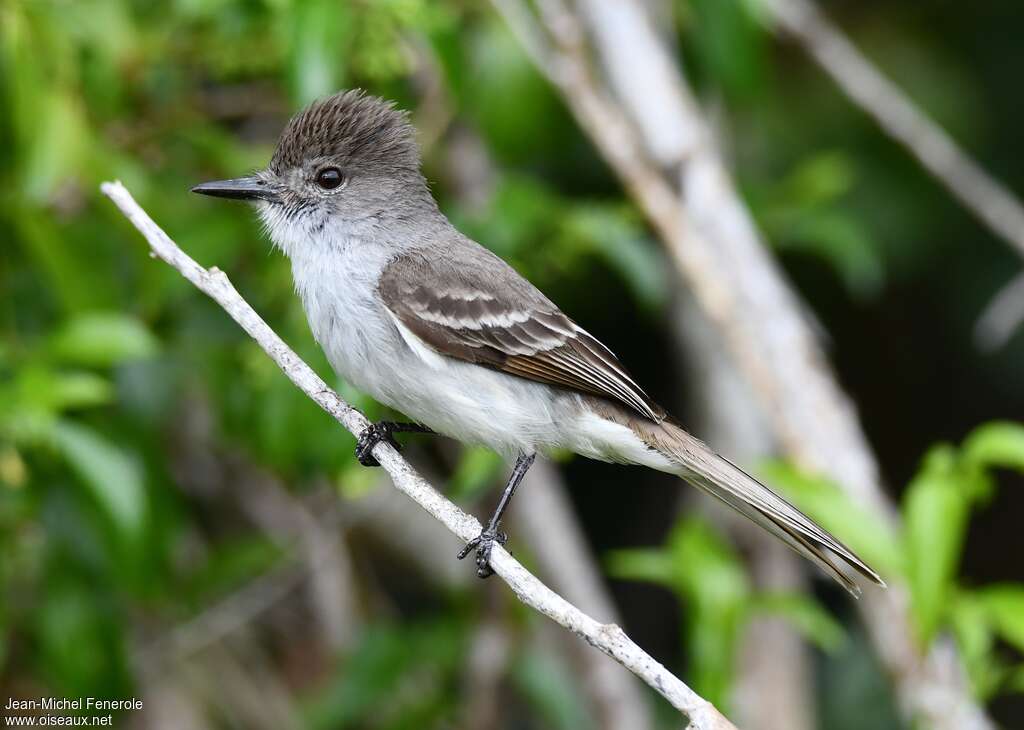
{"points": [[437, 327]]}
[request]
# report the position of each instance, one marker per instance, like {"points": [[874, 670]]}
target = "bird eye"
{"points": [[329, 178]]}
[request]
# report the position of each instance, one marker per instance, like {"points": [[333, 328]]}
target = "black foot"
{"points": [[484, 543], [370, 437]]}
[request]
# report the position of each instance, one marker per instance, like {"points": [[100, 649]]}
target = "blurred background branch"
{"points": [[774, 681], [901, 119], [721, 258]]}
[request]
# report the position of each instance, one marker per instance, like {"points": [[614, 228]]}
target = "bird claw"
{"points": [[484, 543], [369, 438]]}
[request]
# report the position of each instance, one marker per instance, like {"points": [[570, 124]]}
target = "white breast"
{"points": [[336, 279]]}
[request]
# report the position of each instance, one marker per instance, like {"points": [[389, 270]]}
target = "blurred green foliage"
{"points": [[708, 577], [936, 511], [127, 400], [699, 566]]}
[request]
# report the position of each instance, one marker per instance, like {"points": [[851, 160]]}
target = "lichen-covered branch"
{"points": [[609, 638]]}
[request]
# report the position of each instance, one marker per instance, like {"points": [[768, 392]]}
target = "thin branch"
{"points": [[308, 532], [991, 202], [1002, 316], [168, 705], [900, 118], [322, 545], [223, 618], [691, 202], [238, 681], [609, 638], [261, 593], [490, 652]]}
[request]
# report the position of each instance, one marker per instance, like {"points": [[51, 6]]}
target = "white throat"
{"points": [[314, 232]]}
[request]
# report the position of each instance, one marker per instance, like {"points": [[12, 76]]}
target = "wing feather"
{"points": [[475, 307]]}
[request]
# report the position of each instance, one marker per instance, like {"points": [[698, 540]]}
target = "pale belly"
{"points": [[473, 404], [477, 405], [463, 401]]}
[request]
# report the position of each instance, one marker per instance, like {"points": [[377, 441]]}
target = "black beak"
{"points": [[242, 188]]}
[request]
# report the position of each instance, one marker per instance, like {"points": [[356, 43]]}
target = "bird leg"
{"points": [[484, 542], [382, 431]]}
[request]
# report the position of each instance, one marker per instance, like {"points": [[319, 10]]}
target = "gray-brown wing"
{"points": [[471, 305]]}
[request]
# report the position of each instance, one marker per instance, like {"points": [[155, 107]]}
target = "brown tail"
{"points": [[725, 481]]}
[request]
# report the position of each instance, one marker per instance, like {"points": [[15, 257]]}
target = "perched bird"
{"points": [[437, 327]]}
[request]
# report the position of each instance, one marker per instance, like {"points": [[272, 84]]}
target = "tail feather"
{"points": [[794, 540], [725, 481]]}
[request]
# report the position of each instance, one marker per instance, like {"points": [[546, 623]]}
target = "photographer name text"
{"points": [[81, 703]]}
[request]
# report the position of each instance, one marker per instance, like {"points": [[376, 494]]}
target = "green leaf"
{"points": [[320, 33], [112, 475], [38, 395], [696, 562], [705, 572], [26, 425], [935, 511], [520, 213], [46, 390], [842, 240], [77, 635], [805, 615], [56, 148], [706, 565], [70, 279], [997, 444], [102, 339], [234, 562], [651, 565], [713, 582], [548, 685], [805, 212], [612, 234], [354, 481], [730, 44], [867, 535], [822, 178], [502, 84], [13, 473], [972, 628], [80, 390], [1004, 606], [367, 690], [478, 470], [1014, 681]]}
